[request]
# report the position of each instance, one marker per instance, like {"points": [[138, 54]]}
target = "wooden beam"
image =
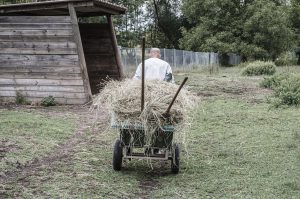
{"points": [[77, 39], [60, 100], [105, 7], [115, 46], [42, 6]]}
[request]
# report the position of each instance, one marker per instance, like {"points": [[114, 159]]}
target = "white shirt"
{"points": [[155, 69]]}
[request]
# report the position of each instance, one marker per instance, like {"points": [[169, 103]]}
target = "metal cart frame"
{"points": [[132, 137]]}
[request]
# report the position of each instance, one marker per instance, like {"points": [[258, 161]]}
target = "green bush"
{"points": [[273, 81], [48, 101], [20, 98], [286, 89], [259, 68], [286, 59]]}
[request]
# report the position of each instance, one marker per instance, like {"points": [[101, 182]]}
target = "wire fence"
{"points": [[178, 59]]}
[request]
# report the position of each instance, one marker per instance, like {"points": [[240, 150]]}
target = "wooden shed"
{"points": [[44, 51]]}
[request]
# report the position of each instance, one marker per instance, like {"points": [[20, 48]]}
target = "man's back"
{"points": [[155, 68]]}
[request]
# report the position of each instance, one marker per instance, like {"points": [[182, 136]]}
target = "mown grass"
{"points": [[25, 136], [239, 150], [238, 147]]}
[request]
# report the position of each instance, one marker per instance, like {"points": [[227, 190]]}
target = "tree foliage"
{"points": [[158, 20], [257, 29]]}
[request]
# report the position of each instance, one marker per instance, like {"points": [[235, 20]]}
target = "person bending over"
{"points": [[155, 68]]}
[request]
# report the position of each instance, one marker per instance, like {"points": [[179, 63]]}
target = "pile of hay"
{"points": [[123, 100]]}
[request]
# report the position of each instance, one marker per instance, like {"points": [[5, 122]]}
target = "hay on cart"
{"points": [[123, 100]]}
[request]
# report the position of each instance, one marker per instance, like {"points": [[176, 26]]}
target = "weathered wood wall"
{"points": [[38, 58], [99, 53]]}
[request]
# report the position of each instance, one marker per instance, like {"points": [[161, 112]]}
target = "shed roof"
{"points": [[60, 7]]}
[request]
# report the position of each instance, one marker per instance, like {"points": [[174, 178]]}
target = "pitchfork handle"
{"points": [[174, 98]]}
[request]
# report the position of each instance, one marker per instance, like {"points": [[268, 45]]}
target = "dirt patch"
{"points": [[147, 186], [206, 94], [235, 90], [7, 146]]}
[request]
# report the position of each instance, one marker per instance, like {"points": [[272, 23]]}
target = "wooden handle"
{"points": [[143, 75], [174, 98]]}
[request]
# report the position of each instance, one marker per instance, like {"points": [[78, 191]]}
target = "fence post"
{"points": [[183, 60], [174, 57], [136, 61]]}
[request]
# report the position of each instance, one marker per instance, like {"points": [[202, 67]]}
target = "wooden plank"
{"points": [[44, 94], [94, 29], [37, 64], [40, 75], [97, 41], [39, 69], [41, 38], [39, 99], [98, 60], [43, 32], [96, 74], [35, 19], [78, 41], [36, 58], [34, 51], [115, 46], [98, 46], [35, 26], [41, 82], [42, 45], [103, 68], [70, 89]]}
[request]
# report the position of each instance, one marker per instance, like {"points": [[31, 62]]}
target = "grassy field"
{"points": [[239, 147]]}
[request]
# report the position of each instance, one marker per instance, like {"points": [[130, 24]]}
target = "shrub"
{"points": [[286, 59], [259, 68], [48, 101], [273, 81], [20, 98], [288, 91]]}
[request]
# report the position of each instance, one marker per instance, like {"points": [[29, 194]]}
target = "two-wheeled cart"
{"points": [[132, 137], [133, 144]]}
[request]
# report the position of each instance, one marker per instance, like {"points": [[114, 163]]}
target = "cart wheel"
{"points": [[175, 159], [118, 156]]}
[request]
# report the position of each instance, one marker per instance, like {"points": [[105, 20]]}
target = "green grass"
{"points": [[25, 136], [238, 147], [239, 150]]}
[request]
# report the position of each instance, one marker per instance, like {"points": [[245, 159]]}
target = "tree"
{"points": [[214, 25], [158, 20], [266, 31], [295, 21], [167, 21], [252, 28]]}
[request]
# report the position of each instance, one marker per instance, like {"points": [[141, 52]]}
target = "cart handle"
{"points": [[174, 98], [143, 75]]}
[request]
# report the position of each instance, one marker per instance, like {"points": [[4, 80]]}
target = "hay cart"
{"points": [[132, 143], [132, 137]]}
